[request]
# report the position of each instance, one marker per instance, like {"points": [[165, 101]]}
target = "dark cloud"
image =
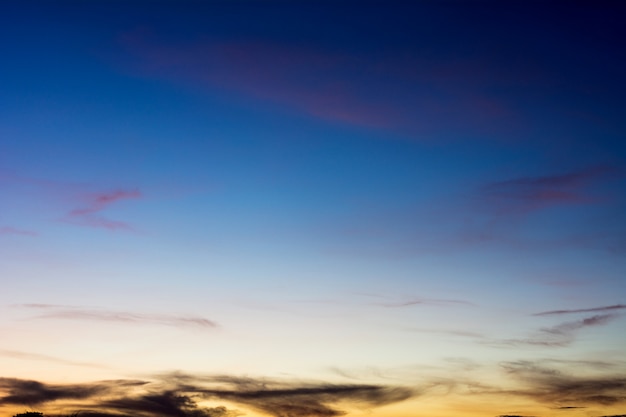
{"points": [[582, 310], [282, 399], [164, 404], [550, 385], [83, 413], [76, 313], [177, 395], [28, 392]]}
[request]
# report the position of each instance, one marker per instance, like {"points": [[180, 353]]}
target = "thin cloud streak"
{"points": [[526, 194], [549, 385], [8, 230], [414, 301], [333, 86], [69, 313], [18, 354], [561, 335], [582, 310], [88, 214]]}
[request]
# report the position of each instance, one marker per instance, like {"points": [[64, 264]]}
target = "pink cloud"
{"points": [[87, 215], [99, 202]]}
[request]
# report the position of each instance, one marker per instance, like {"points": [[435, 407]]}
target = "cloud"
{"points": [[550, 385], [98, 202], [17, 354], [582, 310], [422, 301], [29, 392], [7, 230], [336, 86], [459, 333], [527, 194], [557, 336], [413, 301], [513, 415], [285, 399], [75, 313], [87, 215], [168, 403], [177, 395]]}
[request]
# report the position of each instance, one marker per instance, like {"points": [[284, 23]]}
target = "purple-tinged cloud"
{"points": [[87, 215], [335, 86], [8, 230], [583, 310], [98, 202], [527, 194]]}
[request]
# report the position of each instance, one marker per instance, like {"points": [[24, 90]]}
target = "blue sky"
{"points": [[408, 208]]}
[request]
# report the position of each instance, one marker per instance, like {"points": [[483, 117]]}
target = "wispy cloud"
{"points": [[582, 310], [560, 335], [332, 85], [88, 214], [458, 333], [77, 313], [18, 354], [8, 230], [502, 210], [88, 205], [525, 194], [28, 392], [550, 385], [399, 302]]}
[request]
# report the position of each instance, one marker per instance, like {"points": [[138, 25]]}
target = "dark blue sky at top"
{"points": [[310, 103]]}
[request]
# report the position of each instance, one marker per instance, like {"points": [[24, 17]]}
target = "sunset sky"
{"points": [[313, 209]]}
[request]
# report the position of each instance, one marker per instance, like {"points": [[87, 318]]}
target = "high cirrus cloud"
{"points": [[526, 194], [560, 335], [8, 230], [89, 213], [76, 313], [407, 95], [582, 310]]}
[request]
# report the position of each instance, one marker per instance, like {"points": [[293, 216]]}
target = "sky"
{"points": [[313, 209]]}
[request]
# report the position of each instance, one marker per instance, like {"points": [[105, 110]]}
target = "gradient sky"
{"points": [[305, 209]]}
